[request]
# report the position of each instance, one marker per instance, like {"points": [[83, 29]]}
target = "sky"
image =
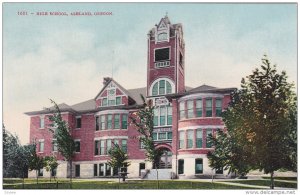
{"points": [[66, 57]]}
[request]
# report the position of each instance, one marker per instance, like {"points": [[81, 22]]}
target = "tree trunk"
{"points": [[119, 172], [71, 173], [37, 176], [157, 177], [272, 180]]}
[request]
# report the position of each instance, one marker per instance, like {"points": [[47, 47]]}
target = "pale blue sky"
{"points": [[65, 58]]}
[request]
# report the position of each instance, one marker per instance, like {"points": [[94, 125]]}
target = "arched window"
{"points": [[162, 36], [162, 87]]}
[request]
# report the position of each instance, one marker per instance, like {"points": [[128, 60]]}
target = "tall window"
{"points": [[77, 146], [54, 145], [181, 110], [124, 121], [41, 145], [116, 142], [199, 134], [208, 133], [199, 107], [180, 166], [78, 122], [169, 115], [181, 139], [162, 120], [162, 87], [101, 169], [155, 119], [117, 121], [104, 102], [109, 121], [96, 151], [77, 170], [108, 145], [102, 120], [101, 147], [97, 123], [124, 145], [190, 138], [108, 170], [42, 122], [208, 107], [198, 166], [190, 109], [95, 170], [218, 107], [40, 172], [118, 100]]}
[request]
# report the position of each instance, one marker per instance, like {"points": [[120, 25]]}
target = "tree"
{"points": [[50, 164], [118, 159], [143, 121], [262, 120], [36, 163], [62, 133], [16, 157]]}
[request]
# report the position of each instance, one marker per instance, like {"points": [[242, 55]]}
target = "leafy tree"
{"points": [[36, 163], [15, 156], [262, 120], [143, 121], [118, 159], [62, 133], [50, 164]]}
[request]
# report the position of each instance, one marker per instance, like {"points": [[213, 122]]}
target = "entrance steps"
{"points": [[162, 174]]}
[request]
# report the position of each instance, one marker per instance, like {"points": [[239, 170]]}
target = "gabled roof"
{"points": [[202, 88], [62, 107]]}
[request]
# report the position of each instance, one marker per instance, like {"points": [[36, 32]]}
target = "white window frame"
{"points": [[42, 118], [159, 79], [78, 140], [77, 117], [41, 141]]}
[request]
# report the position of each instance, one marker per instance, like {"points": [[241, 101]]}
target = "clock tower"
{"points": [[166, 54]]}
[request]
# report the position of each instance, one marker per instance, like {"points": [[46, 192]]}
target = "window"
{"points": [[108, 146], [78, 122], [41, 172], [162, 120], [54, 145], [101, 147], [208, 133], [155, 89], [124, 121], [112, 102], [102, 121], [77, 170], [96, 147], [117, 121], [101, 169], [190, 109], [181, 60], [181, 139], [118, 100], [95, 169], [162, 136], [109, 121], [162, 87], [162, 37], [53, 172], [116, 142], [77, 146], [199, 134], [104, 102], [180, 166], [199, 108], [41, 145], [198, 166], [190, 138], [155, 119], [108, 170], [218, 107], [181, 110], [124, 145], [162, 54], [154, 136], [169, 135], [208, 107], [142, 145], [219, 170], [169, 115], [97, 123], [42, 122]]}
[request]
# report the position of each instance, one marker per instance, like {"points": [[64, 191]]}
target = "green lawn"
{"points": [[283, 178], [131, 184], [266, 183]]}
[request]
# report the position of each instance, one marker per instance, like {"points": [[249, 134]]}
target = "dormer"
{"points": [[162, 30]]}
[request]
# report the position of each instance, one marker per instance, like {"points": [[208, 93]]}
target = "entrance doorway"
{"points": [[165, 161]]}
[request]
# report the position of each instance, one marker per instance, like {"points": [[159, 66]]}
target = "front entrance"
{"points": [[165, 159]]}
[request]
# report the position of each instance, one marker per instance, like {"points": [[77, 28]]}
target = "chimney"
{"points": [[106, 80]]}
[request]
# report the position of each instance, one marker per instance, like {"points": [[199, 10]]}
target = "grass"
{"points": [[131, 184], [283, 178], [266, 183]]}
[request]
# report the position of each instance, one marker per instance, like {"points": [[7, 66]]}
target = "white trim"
{"points": [[76, 140], [157, 81], [110, 137], [111, 112], [200, 95], [202, 127]]}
